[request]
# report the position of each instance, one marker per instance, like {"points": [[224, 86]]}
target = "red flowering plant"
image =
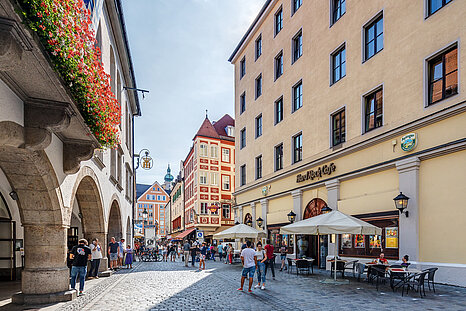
{"points": [[65, 29]]}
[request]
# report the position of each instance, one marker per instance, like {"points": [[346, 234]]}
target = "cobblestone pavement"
{"points": [[171, 286]]}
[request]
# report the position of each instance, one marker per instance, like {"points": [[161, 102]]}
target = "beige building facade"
{"points": [[346, 104], [177, 207]]}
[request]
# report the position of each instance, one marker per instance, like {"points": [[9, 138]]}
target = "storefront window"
{"points": [[276, 240], [391, 237], [375, 241], [346, 241], [359, 241]]}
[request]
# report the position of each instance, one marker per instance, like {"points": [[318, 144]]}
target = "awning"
{"points": [[185, 233]]}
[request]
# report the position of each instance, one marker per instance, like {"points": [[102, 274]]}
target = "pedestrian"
{"points": [[194, 250], [202, 256], [96, 251], [113, 250], [212, 252], [261, 256], [186, 248], [283, 251], [249, 261], [121, 253], [178, 250], [220, 252], [165, 252], [270, 263], [172, 252], [231, 254], [80, 255], [129, 257]]}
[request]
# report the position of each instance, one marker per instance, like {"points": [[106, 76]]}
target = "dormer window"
{"points": [[230, 130]]}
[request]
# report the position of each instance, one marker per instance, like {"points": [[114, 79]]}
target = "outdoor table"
{"points": [[402, 270]]}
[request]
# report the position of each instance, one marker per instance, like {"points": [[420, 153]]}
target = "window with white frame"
{"points": [[225, 182], [203, 150], [214, 179], [225, 155], [203, 208], [226, 211], [203, 178], [213, 151]]}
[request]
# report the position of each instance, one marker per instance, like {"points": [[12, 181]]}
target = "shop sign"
{"points": [[408, 142], [318, 173], [265, 190]]}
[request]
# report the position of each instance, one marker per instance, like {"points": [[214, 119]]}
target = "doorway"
{"points": [[317, 246], [8, 270]]}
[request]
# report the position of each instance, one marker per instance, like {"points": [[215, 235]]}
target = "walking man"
{"points": [[186, 248], [80, 255], [113, 250], [270, 263], [194, 250], [96, 251], [220, 252], [202, 256], [249, 261]]}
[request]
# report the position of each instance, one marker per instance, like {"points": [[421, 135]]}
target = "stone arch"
{"points": [[115, 228], [88, 195], [247, 217], [314, 208]]}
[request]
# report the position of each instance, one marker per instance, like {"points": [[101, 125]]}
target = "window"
{"points": [[226, 211], [242, 138], [242, 103], [203, 178], [297, 96], [278, 21], [214, 179], [373, 110], [225, 155], [339, 64], [339, 8], [230, 130], [258, 47], [213, 151], [373, 37], [279, 110], [203, 150], [296, 5], [279, 65], [203, 208], [338, 128], [443, 75], [259, 126], [225, 182], [297, 46], [259, 167], [297, 148], [435, 5], [278, 157], [242, 67], [242, 174], [259, 86]]}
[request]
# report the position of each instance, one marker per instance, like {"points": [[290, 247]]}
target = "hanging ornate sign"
{"points": [[408, 142], [318, 173]]}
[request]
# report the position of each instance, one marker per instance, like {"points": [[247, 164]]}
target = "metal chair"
{"points": [[430, 277], [351, 265], [396, 278], [340, 268], [360, 270], [290, 265], [415, 282], [302, 264], [379, 275]]}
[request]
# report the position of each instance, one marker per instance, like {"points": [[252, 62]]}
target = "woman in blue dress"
{"points": [[129, 257]]}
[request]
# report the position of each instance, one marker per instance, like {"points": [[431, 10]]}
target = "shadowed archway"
{"points": [[114, 222]]}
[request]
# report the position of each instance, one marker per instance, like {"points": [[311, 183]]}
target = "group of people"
{"points": [[120, 254]]}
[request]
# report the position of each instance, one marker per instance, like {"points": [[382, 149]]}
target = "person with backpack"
{"points": [[80, 254]]}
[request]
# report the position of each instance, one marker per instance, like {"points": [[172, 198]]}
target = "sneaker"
{"points": [[257, 286], [262, 287], [80, 293], [96, 277], [249, 291], [240, 289]]}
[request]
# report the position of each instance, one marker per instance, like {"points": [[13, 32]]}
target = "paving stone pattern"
{"points": [[171, 286]]}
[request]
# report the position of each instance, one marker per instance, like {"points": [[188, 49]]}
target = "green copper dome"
{"points": [[168, 176]]}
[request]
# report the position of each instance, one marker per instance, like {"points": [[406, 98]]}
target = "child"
{"points": [[129, 257]]}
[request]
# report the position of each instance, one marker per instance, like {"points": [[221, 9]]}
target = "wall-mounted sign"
{"points": [[318, 173], [265, 190], [408, 142], [146, 162]]}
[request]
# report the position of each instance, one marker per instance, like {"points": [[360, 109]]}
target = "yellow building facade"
{"points": [[347, 104]]}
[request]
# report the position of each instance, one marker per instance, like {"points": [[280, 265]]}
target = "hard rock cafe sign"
{"points": [[317, 173]]}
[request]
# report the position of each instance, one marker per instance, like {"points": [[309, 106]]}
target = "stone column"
{"points": [[45, 278], [408, 174], [333, 196], [264, 207], [297, 196], [102, 237], [253, 214], [241, 219]]}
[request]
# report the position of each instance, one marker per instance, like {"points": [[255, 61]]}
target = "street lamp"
{"points": [[249, 222], [260, 221], [401, 203], [291, 217], [325, 209]]}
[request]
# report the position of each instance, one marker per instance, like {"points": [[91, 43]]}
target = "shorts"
{"points": [[282, 257], [172, 253], [113, 256], [121, 255], [202, 257], [250, 271]]}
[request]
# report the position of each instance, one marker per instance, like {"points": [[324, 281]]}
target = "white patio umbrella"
{"points": [[334, 222], [238, 232]]}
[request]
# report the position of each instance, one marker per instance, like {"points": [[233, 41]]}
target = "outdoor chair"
{"points": [[379, 275], [396, 278], [340, 268], [290, 265], [302, 264], [430, 277], [351, 265], [360, 270], [415, 282]]}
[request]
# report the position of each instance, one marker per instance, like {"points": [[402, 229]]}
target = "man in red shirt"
{"points": [[270, 262]]}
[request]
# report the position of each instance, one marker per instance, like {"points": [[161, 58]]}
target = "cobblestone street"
{"points": [[171, 286]]}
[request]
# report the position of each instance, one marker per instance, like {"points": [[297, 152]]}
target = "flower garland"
{"points": [[65, 30]]}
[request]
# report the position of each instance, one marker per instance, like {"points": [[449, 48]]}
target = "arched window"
{"points": [[314, 208], [4, 211]]}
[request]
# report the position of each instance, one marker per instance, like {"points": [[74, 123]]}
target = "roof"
{"points": [[155, 184], [221, 124], [207, 130], [243, 39], [140, 189]]}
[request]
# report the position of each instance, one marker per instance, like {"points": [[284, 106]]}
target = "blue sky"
{"points": [[180, 50]]}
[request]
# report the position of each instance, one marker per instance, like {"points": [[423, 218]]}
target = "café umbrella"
{"points": [[334, 222], [238, 232]]}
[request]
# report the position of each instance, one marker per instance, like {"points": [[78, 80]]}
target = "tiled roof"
{"points": [[221, 124], [207, 130], [140, 189]]}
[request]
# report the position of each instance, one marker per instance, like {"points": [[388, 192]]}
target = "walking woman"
{"points": [[231, 252], [283, 251], [261, 256], [129, 257]]}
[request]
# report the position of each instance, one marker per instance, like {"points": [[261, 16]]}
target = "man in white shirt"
{"points": [[249, 261], [96, 251]]}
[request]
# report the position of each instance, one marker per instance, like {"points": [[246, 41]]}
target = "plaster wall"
{"points": [[11, 106]]}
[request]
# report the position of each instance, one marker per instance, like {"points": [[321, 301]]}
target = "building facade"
{"points": [[56, 184], [209, 171], [153, 200], [177, 206], [346, 104]]}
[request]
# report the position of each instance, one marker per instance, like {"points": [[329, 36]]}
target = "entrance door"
{"points": [[318, 245], [7, 250]]}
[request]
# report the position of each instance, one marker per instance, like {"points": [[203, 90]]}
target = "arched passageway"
{"points": [[114, 222]]}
